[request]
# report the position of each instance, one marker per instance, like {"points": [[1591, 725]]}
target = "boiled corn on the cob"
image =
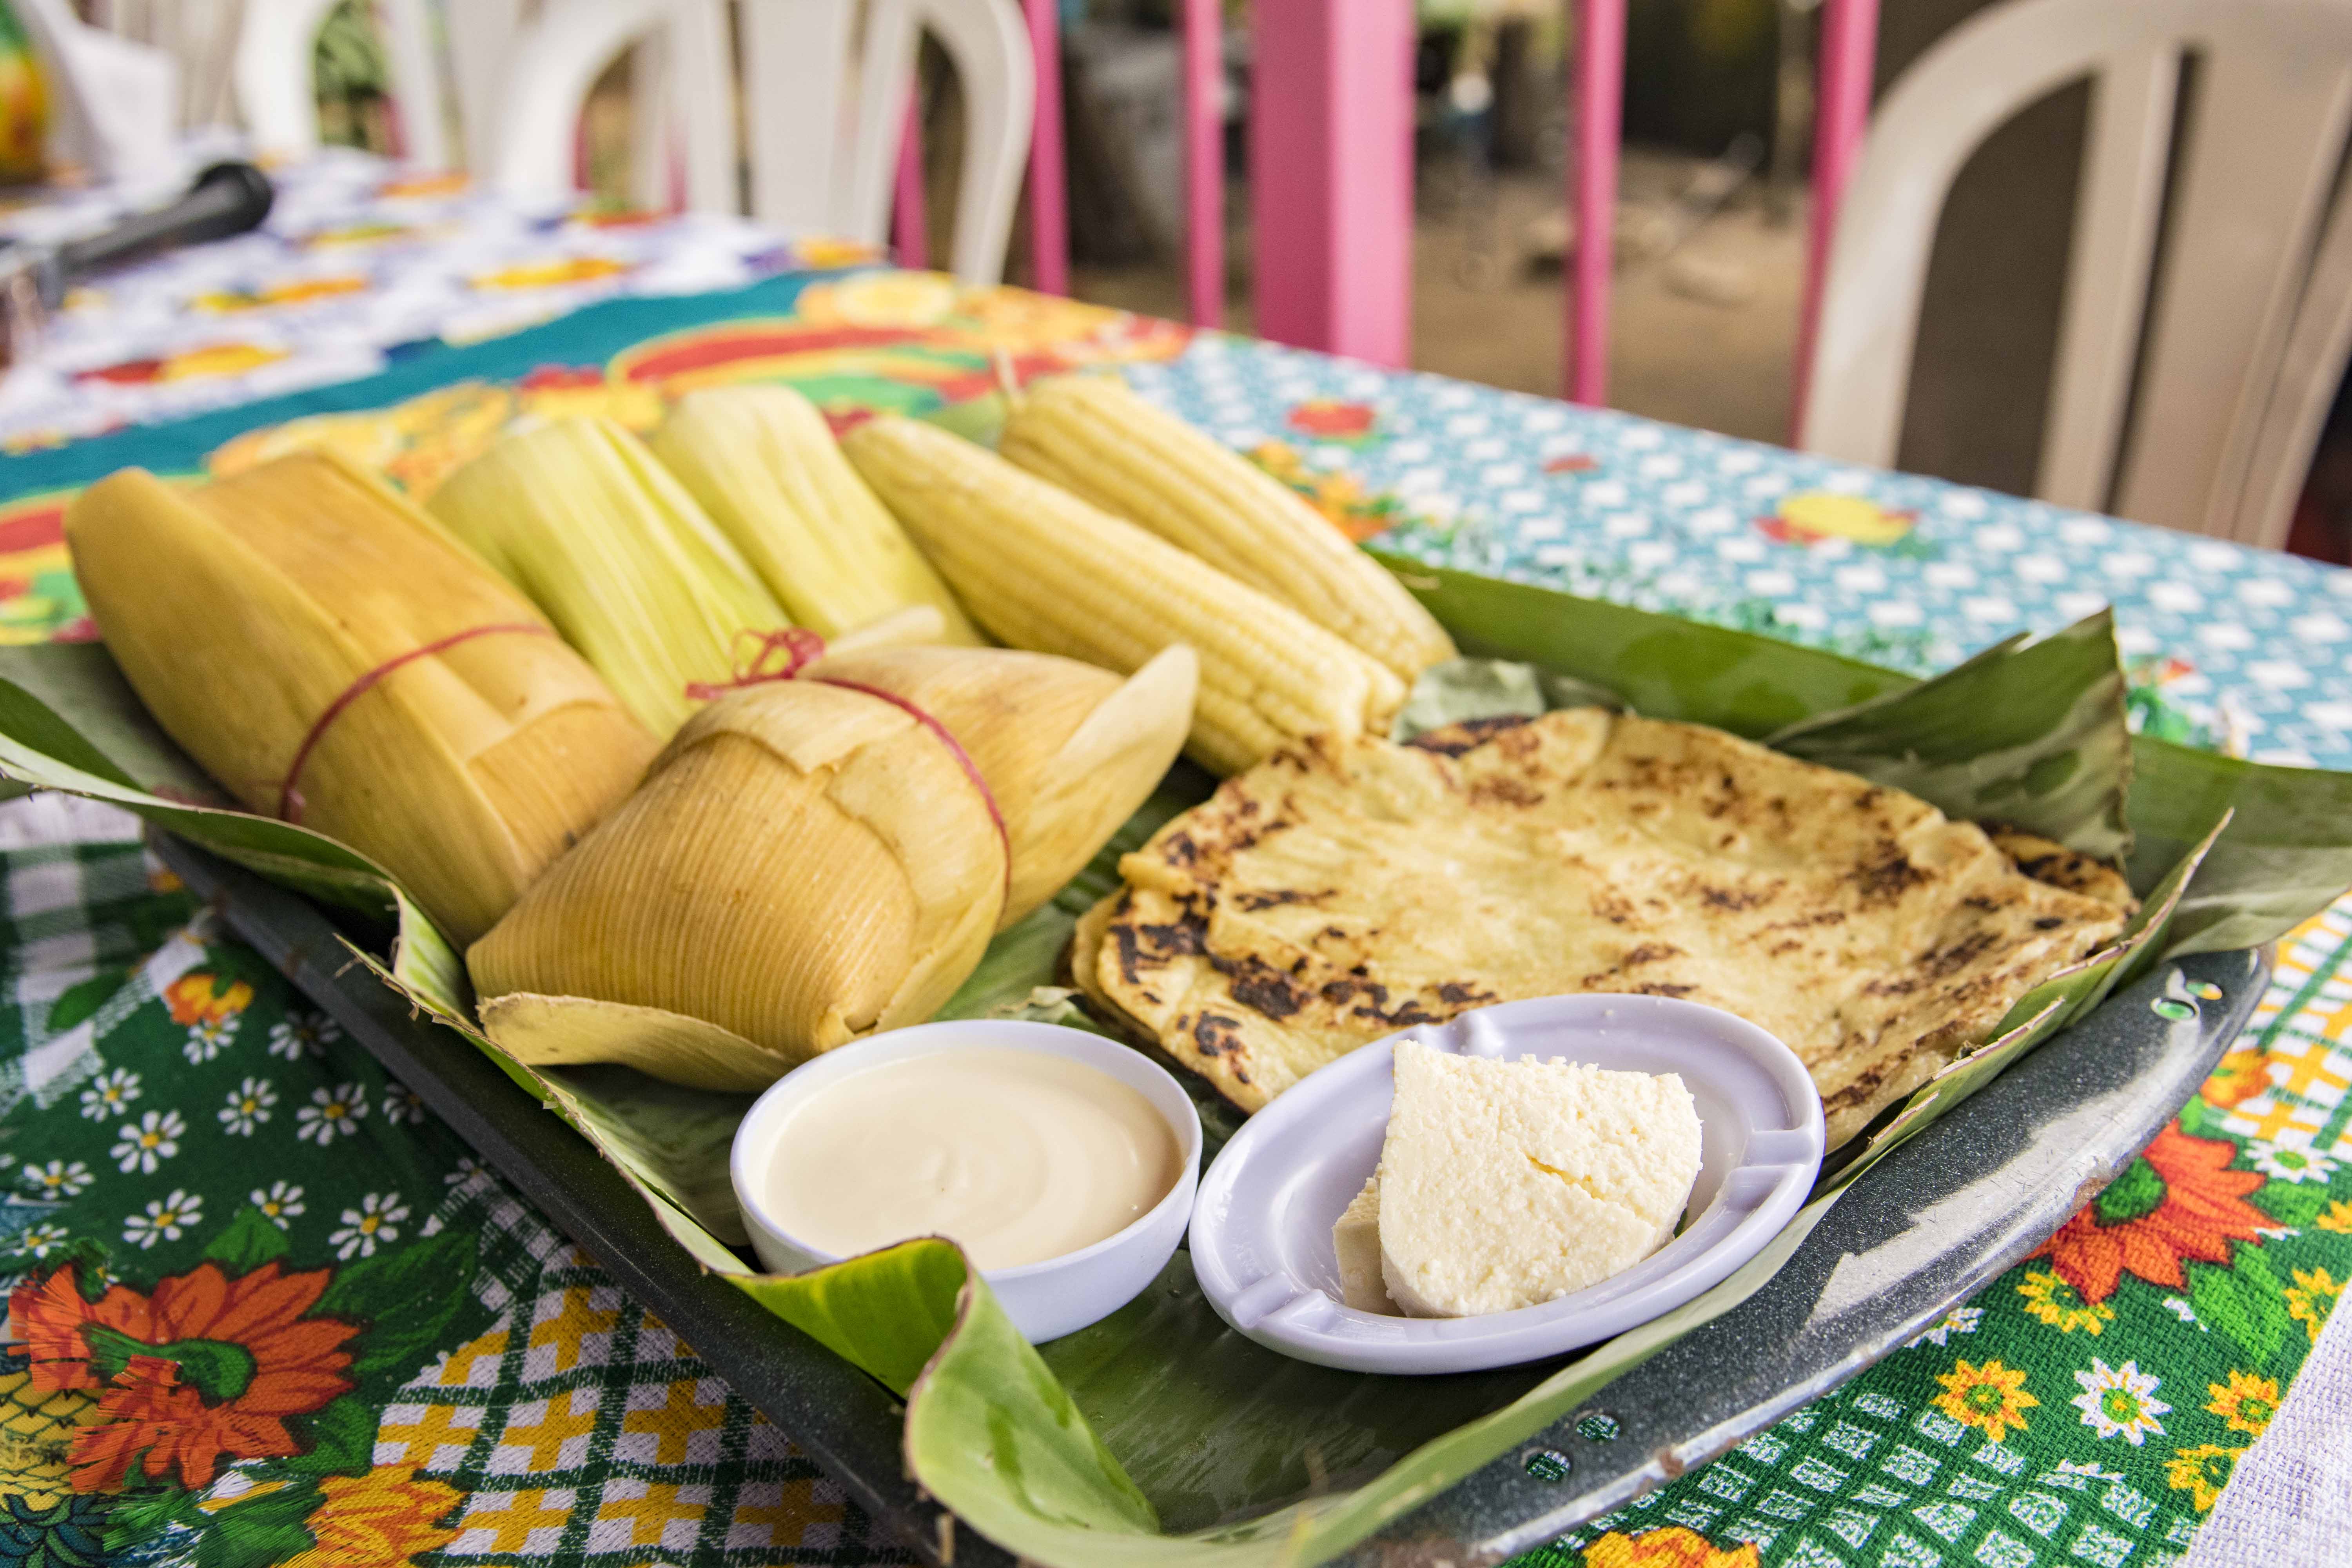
{"points": [[765, 466], [1098, 440], [1041, 569], [331, 655], [580, 516]]}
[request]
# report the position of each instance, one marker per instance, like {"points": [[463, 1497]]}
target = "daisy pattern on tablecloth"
{"points": [[2288, 1162], [40, 1240], [279, 1203], [1959, 1321], [2119, 1401], [155, 1138], [375, 1222], [58, 1179], [165, 1218], [109, 1093], [249, 1107], [303, 1034], [400, 1103], [331, 1113]]}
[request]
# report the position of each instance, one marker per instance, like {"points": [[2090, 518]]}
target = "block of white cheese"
{"points": [[1508, 1184], [1356, 1239]]}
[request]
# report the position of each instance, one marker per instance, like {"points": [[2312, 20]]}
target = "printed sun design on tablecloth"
{"points": [[2202, 1471], [201, 1369], [2060, 1305], [1676, 1546], [1811, 517], [1990, 1397], [2312, 1297], [387, 1516], [208, 1011], [2120, 1401], [2240, 1076], [2245, 1403], [2179, 1201], [210, 361]]}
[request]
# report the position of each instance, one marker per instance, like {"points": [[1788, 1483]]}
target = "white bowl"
{"points": [[1262, 1225], [1045, 1300]]}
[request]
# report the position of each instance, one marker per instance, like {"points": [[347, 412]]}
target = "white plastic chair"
{"points": [[2246, 335], [273, 77], [797, 56], [117, 101]]}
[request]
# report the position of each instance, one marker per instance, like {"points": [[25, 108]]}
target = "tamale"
{"points": [[1069, 751], [579, 516], [765, 466], [330, 655], [804, 864]]}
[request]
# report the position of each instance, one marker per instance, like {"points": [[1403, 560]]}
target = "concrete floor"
{"points": [[1701, 336]]}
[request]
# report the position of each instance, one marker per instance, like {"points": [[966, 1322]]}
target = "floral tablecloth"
{"points": [[269, 1312]]}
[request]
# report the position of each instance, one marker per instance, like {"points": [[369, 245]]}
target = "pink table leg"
{"points": [[1848, 58], [1600, 116], [910, 240], [1049, 223], [1331, 176], [1204, 161]]}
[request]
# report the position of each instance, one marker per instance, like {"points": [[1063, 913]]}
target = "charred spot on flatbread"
{"points": [[1345, 889]]}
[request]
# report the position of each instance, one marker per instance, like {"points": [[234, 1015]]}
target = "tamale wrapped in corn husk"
{"points": [[765, 466], [330, 655], [1069, 751], [578, 515], [804, 864]]}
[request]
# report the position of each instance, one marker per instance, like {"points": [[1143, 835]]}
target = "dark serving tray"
{"points": [[1974, 1193]]}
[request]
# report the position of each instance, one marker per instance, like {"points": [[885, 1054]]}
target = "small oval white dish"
{"points": [[1261, 1235], [1047, 1299]]}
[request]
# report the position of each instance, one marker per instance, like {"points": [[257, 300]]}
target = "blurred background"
{"points": [[1710, 249]]}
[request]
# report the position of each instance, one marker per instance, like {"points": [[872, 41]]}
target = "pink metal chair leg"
{"points": [[1331, 176], [1204, 161], [1848, 58], [1049, 223], [1600, 119], [910, 241]]}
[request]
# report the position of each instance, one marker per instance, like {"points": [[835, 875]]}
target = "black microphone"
{"points": [[226, 199]]}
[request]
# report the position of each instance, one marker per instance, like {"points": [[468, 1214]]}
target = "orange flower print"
{"points": [[1330, 420], [1991, 1398], [2246, 1403], [1672, 1547], [2238, 1078], [381, 1519], [1813, 516], [2179, 1200], [205, 1368], [210, 1015]]}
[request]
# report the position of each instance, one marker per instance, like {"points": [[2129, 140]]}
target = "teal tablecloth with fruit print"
{"points": [[263, 1309]]}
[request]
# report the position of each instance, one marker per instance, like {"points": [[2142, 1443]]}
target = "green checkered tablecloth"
{"points": [[267, 1311]]}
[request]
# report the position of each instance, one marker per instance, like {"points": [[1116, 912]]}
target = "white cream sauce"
{"points": [[1019, 1155]]}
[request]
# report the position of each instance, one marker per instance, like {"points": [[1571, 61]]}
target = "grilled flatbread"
{"points": [[1347, 889]]}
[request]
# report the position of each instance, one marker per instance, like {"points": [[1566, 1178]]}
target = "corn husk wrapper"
{"points": [[804, 866], [764, 465], [242, 610], [579, 516], [1069, 751]]}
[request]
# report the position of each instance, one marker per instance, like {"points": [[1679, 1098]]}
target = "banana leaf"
{"points": [[1158, 1435]]}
